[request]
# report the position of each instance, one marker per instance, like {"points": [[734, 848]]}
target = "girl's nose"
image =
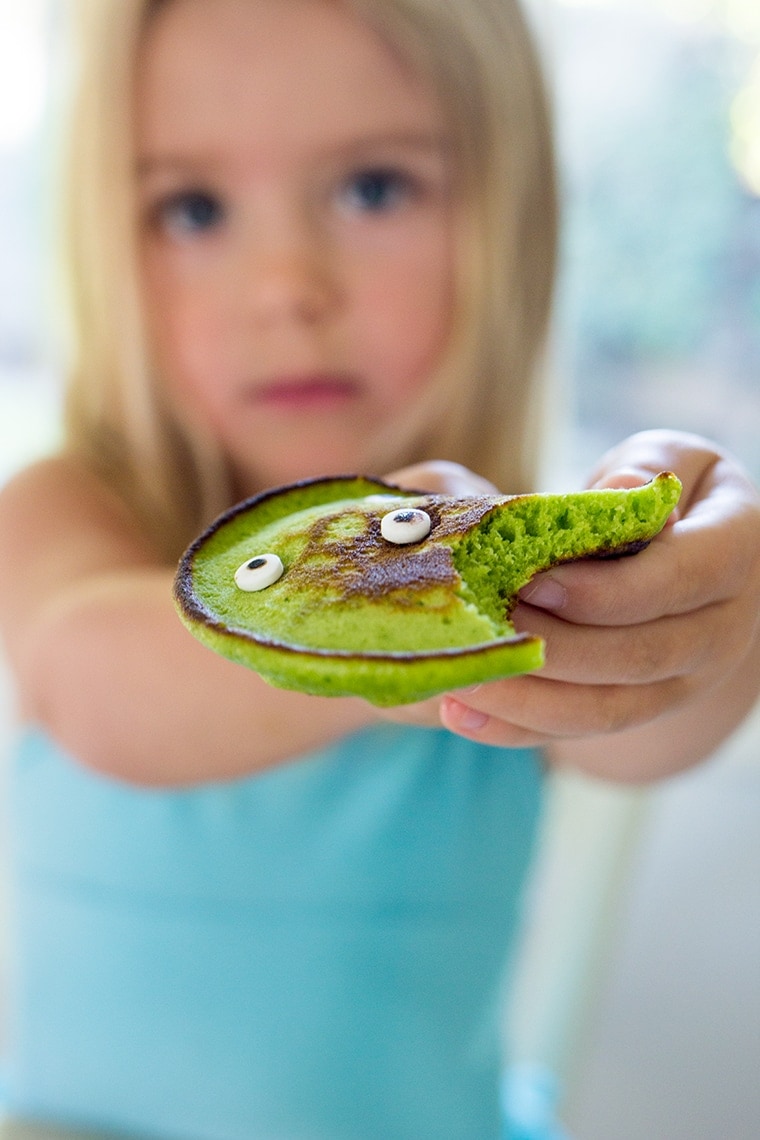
{"points": [[289, 279]]}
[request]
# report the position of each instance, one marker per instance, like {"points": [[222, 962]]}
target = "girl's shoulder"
{"points": [[56, 477], [60, 501], [60, 526]]}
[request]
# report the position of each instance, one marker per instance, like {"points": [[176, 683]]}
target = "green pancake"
{"points": [[354, 614]]}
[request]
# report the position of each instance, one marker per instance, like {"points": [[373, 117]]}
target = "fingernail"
{"points": [[469, 720], [546, 593]]}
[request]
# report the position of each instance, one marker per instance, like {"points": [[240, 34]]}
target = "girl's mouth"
{"points": [[306, 392]]}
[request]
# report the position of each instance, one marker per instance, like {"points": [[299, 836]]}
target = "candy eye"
{"points": [[404, 526], [258, 573]]}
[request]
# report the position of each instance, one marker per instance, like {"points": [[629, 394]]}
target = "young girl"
{"points": [[309, 237]]}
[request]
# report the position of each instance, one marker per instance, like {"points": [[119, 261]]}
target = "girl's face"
{"points": [[297, 228]]}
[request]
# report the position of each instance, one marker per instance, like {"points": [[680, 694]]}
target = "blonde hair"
{"points": [[484, 408]]}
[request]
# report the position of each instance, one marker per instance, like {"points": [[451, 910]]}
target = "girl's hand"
{"points": [[441, 477], [669, 639]]}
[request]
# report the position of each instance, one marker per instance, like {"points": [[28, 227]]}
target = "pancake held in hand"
{"points": [[302, 585]]}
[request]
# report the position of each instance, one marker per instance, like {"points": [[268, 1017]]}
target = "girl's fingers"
{"points": [[632, 640], [465, 721], [699, 642], [535, 710]]}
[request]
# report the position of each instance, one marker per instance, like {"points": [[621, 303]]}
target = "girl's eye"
{"points": [[189, 212], [377, 190]]}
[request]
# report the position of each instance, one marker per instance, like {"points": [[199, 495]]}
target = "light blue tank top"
{"points": [[315, 953]]}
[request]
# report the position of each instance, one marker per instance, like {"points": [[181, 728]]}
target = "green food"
{"points": [[354, 614]]}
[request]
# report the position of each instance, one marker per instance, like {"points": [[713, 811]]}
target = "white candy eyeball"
{"points": [[258, 573], [405, 525]]}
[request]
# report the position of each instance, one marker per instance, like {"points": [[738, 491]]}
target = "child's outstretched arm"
{"points": [[651, 661], [102, 661]]}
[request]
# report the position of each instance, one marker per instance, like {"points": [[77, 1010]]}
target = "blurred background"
{"points": [[658, 324]]}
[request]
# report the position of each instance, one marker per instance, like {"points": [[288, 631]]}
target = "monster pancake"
{"points": [[350, 586]]}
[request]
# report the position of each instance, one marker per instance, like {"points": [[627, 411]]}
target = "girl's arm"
{"points": [[652, 661], [102, 661]]}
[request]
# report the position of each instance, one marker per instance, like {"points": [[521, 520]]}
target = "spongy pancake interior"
{"points": [[499, 556]]}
